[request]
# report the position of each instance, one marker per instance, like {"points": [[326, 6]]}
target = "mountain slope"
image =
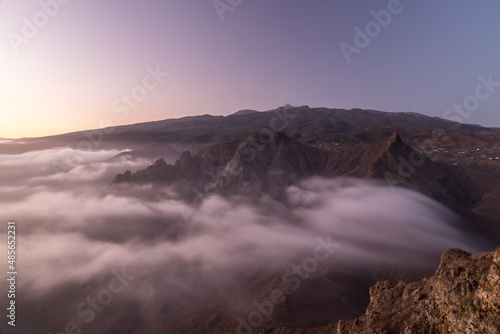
{"points": [[278, 160], [308, 125], [268, 164]]}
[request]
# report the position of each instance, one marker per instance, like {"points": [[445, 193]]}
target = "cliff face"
{"points": [[256, 165], [198, 167], [268, 164], [463, 296]]}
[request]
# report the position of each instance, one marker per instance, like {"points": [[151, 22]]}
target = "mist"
{"points": [[75, 232]]}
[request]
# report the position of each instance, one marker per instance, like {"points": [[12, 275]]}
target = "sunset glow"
{"points": [[82, 55]]}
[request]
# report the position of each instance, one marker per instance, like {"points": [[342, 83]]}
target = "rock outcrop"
{"points": [[276, 160], [463, 296], [268, 164]]}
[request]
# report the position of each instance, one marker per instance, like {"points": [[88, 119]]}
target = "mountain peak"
{"points": [[288, 106], [269, 162], [394, 145], [280, 136], [395, 138], [244, 112]]}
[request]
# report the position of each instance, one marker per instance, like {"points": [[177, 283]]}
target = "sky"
{"points": [[76, 65]]}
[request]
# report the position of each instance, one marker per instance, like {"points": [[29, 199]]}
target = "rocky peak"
{"points": [[159, 164], [463, 296], [270, 161], [394, 138], [279, 138], [393, 145], [185, 165], [451, 257], [122, 178]]}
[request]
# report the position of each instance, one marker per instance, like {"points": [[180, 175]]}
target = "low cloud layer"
{"points": [[73, 229]]}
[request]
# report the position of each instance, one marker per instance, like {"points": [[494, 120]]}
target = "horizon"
{"points": [[140, 62], [231, 114]]}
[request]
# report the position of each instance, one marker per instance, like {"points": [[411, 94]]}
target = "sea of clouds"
{"points": [[75, 231]]}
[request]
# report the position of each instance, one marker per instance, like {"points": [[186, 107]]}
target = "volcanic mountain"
{"points": [[269, 156], [306, 124]]}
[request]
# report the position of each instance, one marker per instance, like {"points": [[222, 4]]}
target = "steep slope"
{"points": [[198, 167], [268, 164], [400, 165], [463, 296], [256, 157]]}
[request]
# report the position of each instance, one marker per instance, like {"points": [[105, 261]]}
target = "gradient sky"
{"points": [[262, 55]]}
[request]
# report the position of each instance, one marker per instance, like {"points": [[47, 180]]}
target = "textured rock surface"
{"points": [[268, 164], [463, 296]]}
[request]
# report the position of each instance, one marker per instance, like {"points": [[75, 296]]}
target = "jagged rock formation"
{"points": [[268, 164], [463, 296], [200, 167], [400, 165]]}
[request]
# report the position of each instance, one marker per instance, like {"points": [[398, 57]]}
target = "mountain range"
{"points": [[268, 164], [261, 155], [307, 125], [455, 164]]}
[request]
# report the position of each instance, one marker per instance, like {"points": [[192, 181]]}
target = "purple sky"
{"points": [[71, 73]]}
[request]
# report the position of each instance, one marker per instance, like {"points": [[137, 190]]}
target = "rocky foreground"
{"points": [[463, 296]]}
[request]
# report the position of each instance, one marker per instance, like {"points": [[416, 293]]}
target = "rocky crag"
{"points": [[463, 296], [268, 164], [271, 163]]}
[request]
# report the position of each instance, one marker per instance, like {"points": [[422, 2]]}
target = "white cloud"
{"points": [[78, 230]]}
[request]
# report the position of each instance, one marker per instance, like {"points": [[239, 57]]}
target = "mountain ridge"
{"points": [[260, 165], [333, 118]]}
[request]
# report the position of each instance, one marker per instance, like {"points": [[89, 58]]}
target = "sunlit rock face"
{"points": [[463, 296]]}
